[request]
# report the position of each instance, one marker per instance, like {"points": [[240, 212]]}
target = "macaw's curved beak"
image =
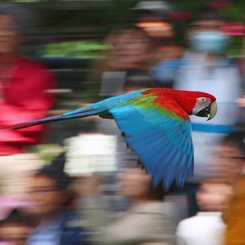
{"points": [[209, 111], [213, 110]]}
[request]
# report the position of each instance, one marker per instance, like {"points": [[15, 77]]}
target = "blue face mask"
{"points": [[210, 42]]}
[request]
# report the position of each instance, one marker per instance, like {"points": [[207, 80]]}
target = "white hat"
{"points": [[153, 6]]}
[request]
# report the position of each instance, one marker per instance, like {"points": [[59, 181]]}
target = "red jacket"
{"points": [[25, 97]]}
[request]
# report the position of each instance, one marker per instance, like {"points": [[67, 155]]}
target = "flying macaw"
{"points": [[156, 125]]}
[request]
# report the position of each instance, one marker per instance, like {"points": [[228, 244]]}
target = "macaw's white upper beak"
{"points": [[213, 110], [208, 111]]}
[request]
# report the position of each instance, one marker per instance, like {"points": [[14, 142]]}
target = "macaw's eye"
{"points": [[202, 99]]}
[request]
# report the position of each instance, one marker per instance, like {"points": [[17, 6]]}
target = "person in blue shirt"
{"points": [[59, 226]]}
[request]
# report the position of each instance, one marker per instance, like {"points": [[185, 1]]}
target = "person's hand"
{"points": [[241, 101]]}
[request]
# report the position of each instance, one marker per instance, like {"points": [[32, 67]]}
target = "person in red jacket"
{"points": [[24, 95]]}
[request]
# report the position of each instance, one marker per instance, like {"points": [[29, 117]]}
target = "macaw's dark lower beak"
{"points": [[209, 111], [204, 112]]}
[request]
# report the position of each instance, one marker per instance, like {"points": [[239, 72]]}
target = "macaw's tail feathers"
{"points": [[30, 123], [79, 113]]}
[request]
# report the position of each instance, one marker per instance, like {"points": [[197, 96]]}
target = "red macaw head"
{"points": [[205, 107], [197, 103]]}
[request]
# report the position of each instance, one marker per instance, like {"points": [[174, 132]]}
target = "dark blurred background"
{"points": [[68, 36]]}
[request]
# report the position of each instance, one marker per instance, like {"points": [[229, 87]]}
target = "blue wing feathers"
{"points": [[164, 163], [150, 156], [170, 177], [144, 143], [187, 170], [163, 144], [158, 156], [161, 173]]}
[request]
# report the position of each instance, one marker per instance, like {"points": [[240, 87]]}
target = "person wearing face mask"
{"points": [[205, 67], [211, 42]]}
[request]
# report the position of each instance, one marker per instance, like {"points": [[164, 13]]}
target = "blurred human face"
{"points": [[14, 233], [134, 183], [157, 28], [130, 49], [10, 38], [227, 162], [214, 196], [45, 194]]}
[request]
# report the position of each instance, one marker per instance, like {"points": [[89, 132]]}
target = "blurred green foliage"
{"points": [[47, 152], [76, 49]]}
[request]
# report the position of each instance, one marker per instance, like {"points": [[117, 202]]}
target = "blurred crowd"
{"points": [[57, 204]]}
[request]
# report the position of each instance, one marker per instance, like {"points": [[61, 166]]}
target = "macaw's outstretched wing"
{"points": [[159, 136]]}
